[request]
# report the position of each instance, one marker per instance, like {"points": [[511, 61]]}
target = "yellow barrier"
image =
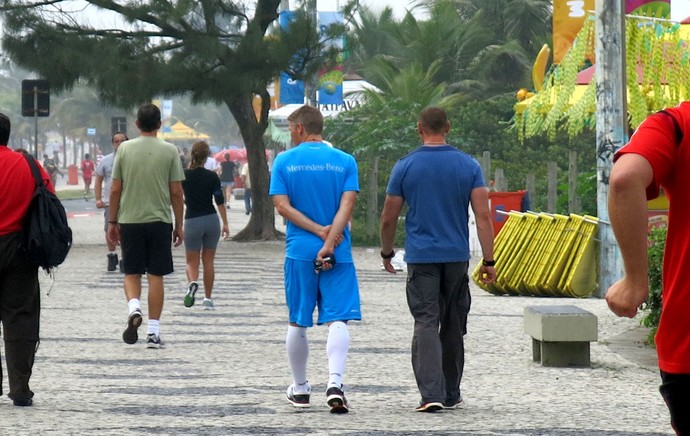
{"points": [[540, 254]]}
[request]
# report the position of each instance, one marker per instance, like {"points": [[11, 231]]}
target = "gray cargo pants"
{"points": [[438, 296]]}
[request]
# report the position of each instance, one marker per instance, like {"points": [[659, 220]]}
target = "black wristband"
{"points": [[488, 262], [112, 222], [389, 255]]}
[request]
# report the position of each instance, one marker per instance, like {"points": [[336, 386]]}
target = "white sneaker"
{"points": [[208, 304], [298, 400]]}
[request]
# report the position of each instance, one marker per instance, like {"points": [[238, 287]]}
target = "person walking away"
{"points": [[101, 187], [20, 302], [52, 168], [314, 187], [147, 176], [227, 177], [87, 169], [201, 227], [438, 182], [657, 157], [244, 173]]}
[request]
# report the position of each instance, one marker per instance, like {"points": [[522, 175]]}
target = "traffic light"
{"points": [[35, 98]]}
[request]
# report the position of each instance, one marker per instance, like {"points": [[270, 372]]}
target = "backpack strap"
{"points": [[34, 170], [676, 126]]}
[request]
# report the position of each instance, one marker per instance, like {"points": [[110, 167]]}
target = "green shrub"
{"points": [[652, 307]]}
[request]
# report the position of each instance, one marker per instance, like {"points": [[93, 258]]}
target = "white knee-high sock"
{"points": [[337, 347], [298, 352]]}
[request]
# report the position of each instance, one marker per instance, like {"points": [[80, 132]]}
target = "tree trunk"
{"points": [[261, 225]]}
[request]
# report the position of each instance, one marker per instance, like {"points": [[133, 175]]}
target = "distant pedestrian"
{"points": [[315, 187], [87, 169], [184, 157], [52, 169], [101, 187], [147, 177], [247, 188], [20, 302], [201, 227], [438, 183], [227, 177]]}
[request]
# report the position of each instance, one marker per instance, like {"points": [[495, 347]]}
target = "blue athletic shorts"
{"points": [[201, 232], [335, 292]]}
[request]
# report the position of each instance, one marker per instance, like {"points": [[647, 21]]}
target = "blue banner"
{"points": [[330, 81], [291, 90]]}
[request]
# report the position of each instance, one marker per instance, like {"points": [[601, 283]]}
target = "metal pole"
{"points": [[612, 125], [310, 82], [36, 122]]}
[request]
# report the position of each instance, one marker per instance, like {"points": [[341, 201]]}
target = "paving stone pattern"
{"points": [[225, 372]]}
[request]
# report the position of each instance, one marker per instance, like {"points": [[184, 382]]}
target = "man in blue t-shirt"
{"points": [[438, 182], [314, 187]]}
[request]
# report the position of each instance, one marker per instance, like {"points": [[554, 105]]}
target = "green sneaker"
{"points": [[208, 304], [189, 295]]}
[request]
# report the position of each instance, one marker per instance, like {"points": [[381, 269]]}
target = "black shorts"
{"points": [[675, 388], [147, 248]]}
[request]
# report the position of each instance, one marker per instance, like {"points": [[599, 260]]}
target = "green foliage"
{"points": [[656, 61], [652, 306], [220, 51], [483, 47], [388, 132]]}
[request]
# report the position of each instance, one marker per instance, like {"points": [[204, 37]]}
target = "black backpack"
{"points": [[46, 237]]}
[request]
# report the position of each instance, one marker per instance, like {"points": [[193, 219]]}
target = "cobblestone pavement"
{"points": [[225, 371]]}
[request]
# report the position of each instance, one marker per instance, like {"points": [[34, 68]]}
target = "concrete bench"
{"points": [[560, 334]]}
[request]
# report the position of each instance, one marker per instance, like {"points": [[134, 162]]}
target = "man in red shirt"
{"points": [[658, 155], [19, 289]]}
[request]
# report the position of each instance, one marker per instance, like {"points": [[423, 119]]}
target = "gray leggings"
{"points": [[201, 232]]}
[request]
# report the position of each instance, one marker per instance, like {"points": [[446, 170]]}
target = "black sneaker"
{"points": [[189, 295], [112, 261], [153, 341], [22, 402], [431, 406], [336, 400], [452, 404], [130, 335], [121, 264], [298, 400]]}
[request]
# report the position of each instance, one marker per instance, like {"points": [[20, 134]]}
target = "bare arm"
{"points": [[479, 199], [287, 211], [335, 230], [224, 219], [98, 190], [389, 223], [627, 203], [113, 211], [177, 200]]}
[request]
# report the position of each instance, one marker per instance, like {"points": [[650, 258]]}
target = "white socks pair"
{"points": [[337, 348]]}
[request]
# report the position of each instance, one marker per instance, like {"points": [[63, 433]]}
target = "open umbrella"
{"points": [[236, 154]]}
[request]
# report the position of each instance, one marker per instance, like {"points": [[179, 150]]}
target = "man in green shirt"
{"points": [[147, 180]]}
